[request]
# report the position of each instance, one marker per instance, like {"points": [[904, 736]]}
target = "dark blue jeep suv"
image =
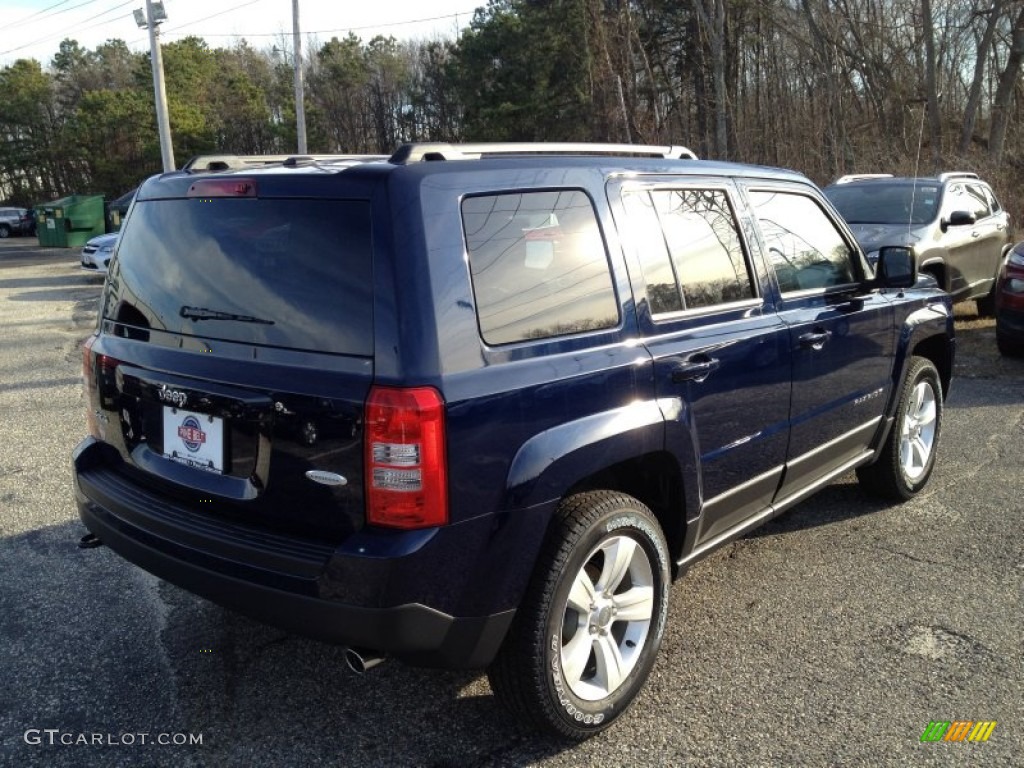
{"points": [[476, 406]]}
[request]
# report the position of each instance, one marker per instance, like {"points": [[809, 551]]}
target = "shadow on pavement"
{"points": [[92, 644], [79, 280]]}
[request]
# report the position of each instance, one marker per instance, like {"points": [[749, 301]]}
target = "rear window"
{"points": [[886, 203], [286, 273]]}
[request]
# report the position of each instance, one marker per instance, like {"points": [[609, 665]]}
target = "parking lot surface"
{"points": [[832, 636]]}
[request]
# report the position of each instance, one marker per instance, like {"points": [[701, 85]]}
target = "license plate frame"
{"points": [[194, 439]]}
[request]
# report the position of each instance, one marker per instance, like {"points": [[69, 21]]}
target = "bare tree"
{"points": [[992, 17], [1007, 87]]}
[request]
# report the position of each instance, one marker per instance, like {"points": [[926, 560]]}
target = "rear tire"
{"points": [[908, 456], [5, 231], [588, 630], [1009, 347]]}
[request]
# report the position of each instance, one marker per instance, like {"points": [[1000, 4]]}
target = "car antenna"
{"points": [[917, 166]]}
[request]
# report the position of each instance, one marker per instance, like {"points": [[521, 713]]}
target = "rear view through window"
{"points": [[285, 273]]}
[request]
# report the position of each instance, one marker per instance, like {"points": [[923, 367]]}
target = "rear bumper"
{"points": [[279, 580]]}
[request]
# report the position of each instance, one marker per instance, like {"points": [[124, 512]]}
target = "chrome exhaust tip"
{"points": [[359, 660]]}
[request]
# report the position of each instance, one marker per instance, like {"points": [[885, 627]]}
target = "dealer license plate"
{"points": [[195, 439]]}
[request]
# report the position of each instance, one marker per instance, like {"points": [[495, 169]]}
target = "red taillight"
{"points": [[406, 464], [89, 382], [97, 377]]}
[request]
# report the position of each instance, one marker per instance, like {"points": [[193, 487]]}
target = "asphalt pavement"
{"points": [[833, 636]]}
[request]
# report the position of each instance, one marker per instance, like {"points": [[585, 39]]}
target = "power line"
{"points": [[73, 27], [107, 21], [175, 31], [31, 16], [339, 29], [58, 13], [172, 31], [212, 16]]}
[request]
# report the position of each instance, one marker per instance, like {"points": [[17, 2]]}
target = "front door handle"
{"points": [[696, 368], [815, 340]]}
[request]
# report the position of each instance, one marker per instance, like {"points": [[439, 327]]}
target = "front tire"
{"points": [[588, 630], [908, 456], [987, 303]]}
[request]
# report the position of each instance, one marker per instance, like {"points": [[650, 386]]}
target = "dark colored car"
{"points": [[117, 209], [477, 406], [28, 222], [17, 221], [1010, 304], [955, 225]]}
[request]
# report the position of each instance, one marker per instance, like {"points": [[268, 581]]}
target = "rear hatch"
{"points": [[236, 352]]}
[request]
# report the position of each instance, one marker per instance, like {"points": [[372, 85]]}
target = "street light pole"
{"points": [[152, 21], [300, 100]]}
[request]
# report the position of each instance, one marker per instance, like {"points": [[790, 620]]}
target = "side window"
{"points": [[645, 231], [993, 203], [978, 201], [704, 242], [803, 245], [955, 200], [538, 264]]}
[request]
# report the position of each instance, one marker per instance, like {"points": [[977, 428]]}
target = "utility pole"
{"points": [[300, 99], [154, 14]]}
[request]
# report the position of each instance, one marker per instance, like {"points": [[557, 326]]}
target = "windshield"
{"points": [[288, 273], [876, 203]]}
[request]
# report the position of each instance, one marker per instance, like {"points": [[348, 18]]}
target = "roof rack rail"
{"points": [[419, 153], [226, 162], [861, 177], [958, 175]]}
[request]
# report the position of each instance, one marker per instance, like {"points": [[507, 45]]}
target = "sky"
{"points": [[33, 29]]}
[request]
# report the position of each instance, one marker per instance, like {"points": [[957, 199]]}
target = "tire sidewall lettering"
{"points": [[573, 709], [558, 681], [637, 522]]}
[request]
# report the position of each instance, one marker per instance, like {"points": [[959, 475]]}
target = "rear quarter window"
{"points": [[538, 265]]}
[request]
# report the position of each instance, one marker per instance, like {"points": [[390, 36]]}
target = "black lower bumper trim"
{"points": [[413, 633]]}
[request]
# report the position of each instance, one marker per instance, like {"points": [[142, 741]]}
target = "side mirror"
{"points": [[896, 267], [958, 219]]}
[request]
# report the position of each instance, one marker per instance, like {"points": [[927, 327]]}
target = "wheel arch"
{"points": [[655, 480], [620, 450], [926, 332], [938, 350], [935, 265]]}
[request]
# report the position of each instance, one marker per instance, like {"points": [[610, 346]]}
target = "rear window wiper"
{"points": [[201, 313]]}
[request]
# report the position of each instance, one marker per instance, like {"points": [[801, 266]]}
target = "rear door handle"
{"points": [[975, 233], [695, 369], [815, 340]]}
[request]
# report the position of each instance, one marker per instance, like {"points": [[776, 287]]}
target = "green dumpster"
{"points": [[70, 221]]}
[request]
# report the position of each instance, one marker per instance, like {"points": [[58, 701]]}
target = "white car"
{"points": [[97, 252]]}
